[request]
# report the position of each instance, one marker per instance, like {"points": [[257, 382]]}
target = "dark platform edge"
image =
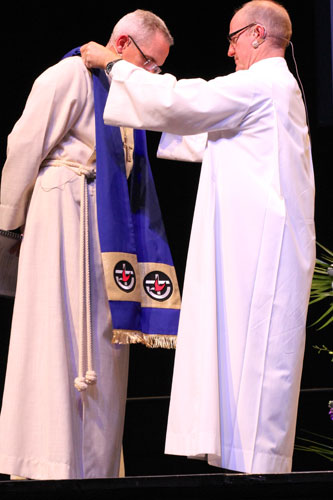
{"points": [[295, 485]]}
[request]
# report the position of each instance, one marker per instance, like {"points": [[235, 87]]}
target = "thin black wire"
{"points": [[300, 84]]}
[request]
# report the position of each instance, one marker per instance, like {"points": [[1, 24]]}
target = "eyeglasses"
{"points": [[149, 64], [231, 37]]}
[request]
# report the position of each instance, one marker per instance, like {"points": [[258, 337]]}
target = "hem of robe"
{"points": [[136, 337], [263, 463], [238, 460], [35, 469], [32, 468]]}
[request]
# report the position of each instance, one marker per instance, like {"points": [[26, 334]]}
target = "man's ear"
{"points": [[260, 30], [121, 43]]}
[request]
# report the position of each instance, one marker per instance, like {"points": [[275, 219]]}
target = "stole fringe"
{"points": [[152, 341]]}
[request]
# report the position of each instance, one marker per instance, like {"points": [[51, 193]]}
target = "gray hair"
{"points": [[273, 16], [141, 25]]}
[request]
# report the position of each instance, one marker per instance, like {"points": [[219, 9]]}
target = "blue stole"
{"points": [[141, 282]]}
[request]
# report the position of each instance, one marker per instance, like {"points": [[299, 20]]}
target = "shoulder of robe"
{"points": [[67, 75], [252, 84], [240, 83], [241, 77]]}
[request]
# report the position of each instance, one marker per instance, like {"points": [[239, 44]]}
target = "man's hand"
{"points": [[97, 56]]}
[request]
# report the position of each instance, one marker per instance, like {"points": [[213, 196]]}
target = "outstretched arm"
{"points": [[143, 100]]}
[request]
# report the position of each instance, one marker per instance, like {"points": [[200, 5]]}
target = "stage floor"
{"points": [[299, 485]]}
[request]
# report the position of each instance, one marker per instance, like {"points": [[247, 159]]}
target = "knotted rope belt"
{"points": [[86, 373]]}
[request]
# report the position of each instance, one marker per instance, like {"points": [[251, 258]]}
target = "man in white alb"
{"points": [[50, 429]]}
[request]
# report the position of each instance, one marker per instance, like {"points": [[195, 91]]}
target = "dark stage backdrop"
{"points": [[35, 37]]}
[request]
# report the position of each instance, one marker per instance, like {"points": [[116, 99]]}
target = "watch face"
{"points": [[109, 65]]}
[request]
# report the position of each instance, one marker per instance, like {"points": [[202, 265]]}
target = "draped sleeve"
{"points": [[52, 108]]}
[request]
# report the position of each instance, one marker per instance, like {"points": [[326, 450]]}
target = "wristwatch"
{"points": [[110, 64]]}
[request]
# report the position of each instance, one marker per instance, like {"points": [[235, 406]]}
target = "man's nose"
{"points": [[231, 50]]}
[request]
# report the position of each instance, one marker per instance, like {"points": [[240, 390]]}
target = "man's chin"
{"points": [[239, 67]]}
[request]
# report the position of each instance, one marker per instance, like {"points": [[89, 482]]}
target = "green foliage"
{"points": [[321, 289], [323, 348], [322, 285], [322, 446]]}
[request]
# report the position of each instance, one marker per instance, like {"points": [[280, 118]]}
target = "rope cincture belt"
{"points": [[86, 374]]}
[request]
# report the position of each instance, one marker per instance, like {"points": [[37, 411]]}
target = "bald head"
{"points": [[273, 17]]}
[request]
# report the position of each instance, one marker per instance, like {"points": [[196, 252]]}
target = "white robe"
{"points": [[49, 430], [250, 262]]}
